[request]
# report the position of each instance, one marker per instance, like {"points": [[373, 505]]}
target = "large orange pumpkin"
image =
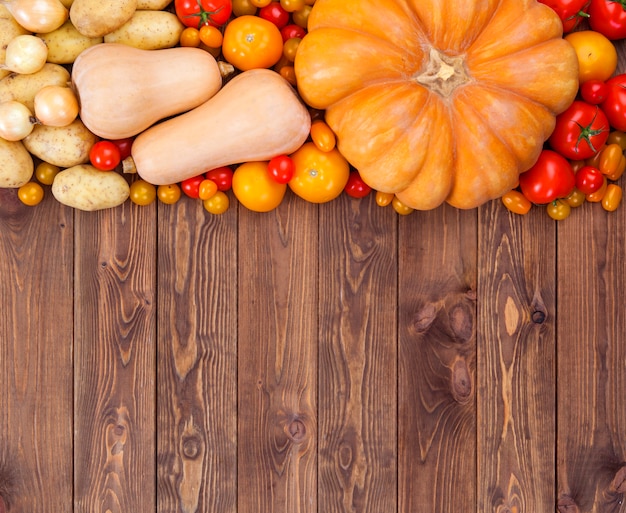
{"points": [[438, 100]]}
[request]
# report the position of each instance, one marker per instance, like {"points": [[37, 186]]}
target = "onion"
{"points": [[38, 15], [16, 120], [56, 106], [25, 54]]}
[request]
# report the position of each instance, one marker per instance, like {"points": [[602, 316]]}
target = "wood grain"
{"points": [[516, 361], [437, 287], [197, 346], [115, 367], [277, 359], [357, 358], [36, 325]]}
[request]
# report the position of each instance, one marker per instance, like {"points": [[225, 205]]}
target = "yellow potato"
{"points": [[23, 88], [16, 164], [9, 29], [153, 5], [148, 30], [64, 146], [85, 188], [96, 18], [66, 43]]}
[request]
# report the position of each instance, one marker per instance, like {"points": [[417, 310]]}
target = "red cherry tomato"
{"points": [[356, 187], [292, 30], [589, 179], [124, 145], [104, 155], [191, 186], [222, 176], [594, 91], [195, 13], [275, 13], [550, 178], [608, 17], [281, 168]]}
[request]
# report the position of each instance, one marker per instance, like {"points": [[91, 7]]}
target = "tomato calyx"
{"points": [[205, 17], [587, 133]]}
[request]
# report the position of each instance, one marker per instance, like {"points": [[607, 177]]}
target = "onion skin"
{"points": [[38, 15]]}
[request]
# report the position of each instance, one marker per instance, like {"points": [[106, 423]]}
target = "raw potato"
{"points": [[153, 5], [97, 18], [61, 146], [66, 43], [148, 30], [85, 188], [23, 88], [16, 164], [9, 28]]}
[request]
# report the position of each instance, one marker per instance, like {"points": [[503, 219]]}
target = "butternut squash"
{"points": [[124, 90], [255, 116]]}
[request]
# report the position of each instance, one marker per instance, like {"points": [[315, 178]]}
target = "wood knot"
{"points": [[618, 485], [461, 385], [461, 322], [296, 430], [566, 504], [424, 318], [538, 317], [192, 447]]}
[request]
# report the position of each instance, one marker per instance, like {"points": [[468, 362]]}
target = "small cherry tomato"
{"points": [[292, 30], [251, 42], [575, 198], [400, 208], [30, 194], [142, 193], [292, 5], [356, 187], [611, 161], [281, 168], [190, 37], [301, 16], [169, 194], [45, 172], [612, 197], [217, 204], [207, 189], [589, 179], [243, 7], [384, 198], [222, 176], [275, 13], [516, 202], [617, 137], [211, 36], [124, 145], [322, 135], [596, 196], [191, 186], [290, 47], [104, 155], [260, 3], [558, 209], [255, 189], [289, 74], [594, 91]]}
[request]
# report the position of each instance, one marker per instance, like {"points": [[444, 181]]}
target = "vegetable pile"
{"points": [[427, 102]]}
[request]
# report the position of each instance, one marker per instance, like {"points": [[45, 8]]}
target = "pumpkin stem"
{"points": [[443, 74]]}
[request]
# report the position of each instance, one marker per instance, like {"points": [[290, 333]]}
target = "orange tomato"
{"points": [[190, 37], [597, 56], [45, 172], [217, 204], [207, 189], [516, 202], [322, 135], [30, 194], [252, 42], [612, 197], [320, 176], [142, 193], [384, 198], [211, 36], [255, 188], [612, 161], [596, 197], [169, 194], [243, 7], [260, 3]]}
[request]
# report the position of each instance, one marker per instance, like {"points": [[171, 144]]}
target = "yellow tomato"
{"points": [[217, 204], [169, 194], [255, 188], [46, 172], [319, 176], [190, 37], [252, 42], [597, 56], [211, 36], [30, 194], [400, 208], [243, 7], [260, 3], [142, 193], [384, 198], [292, 5]]}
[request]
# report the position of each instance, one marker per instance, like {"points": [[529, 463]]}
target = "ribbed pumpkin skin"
{"points": [[461, 131]]}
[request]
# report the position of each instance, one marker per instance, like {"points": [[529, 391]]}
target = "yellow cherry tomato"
{"points": [[320, 176], [301, 16], [558, 209], [290, 48], [30, 194], [260, 3], [169, 194], [612, 161], [190, 37], [45, 172], [243, 7], [400, 208], [217, 204], [252, 42], [255, 188], [575, 199], [516, 202], [142, 193], [292, 5], [322, 135], [597, 56], [612, 197], [617, 137], [207, 189], [384, 198], [211, 36], [289, 74]]}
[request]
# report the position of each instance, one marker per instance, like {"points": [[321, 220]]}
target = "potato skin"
{"points": [[23, 88], [96, 18], [153, 5], [85, 188], [148, 30], [66, 43], [16, 164], [61, 146]]}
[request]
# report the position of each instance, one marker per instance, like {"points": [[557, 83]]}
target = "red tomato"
{"points": [[580, 131], [589, 179], [222, 176], [195, 13], [275, 13], [289, 31], [594, 91], [356, 187], [608, 17], [124, 145], [550, 178], [615, 104], [191, 186], [281, 168], [570, 11], [104, 155]]}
